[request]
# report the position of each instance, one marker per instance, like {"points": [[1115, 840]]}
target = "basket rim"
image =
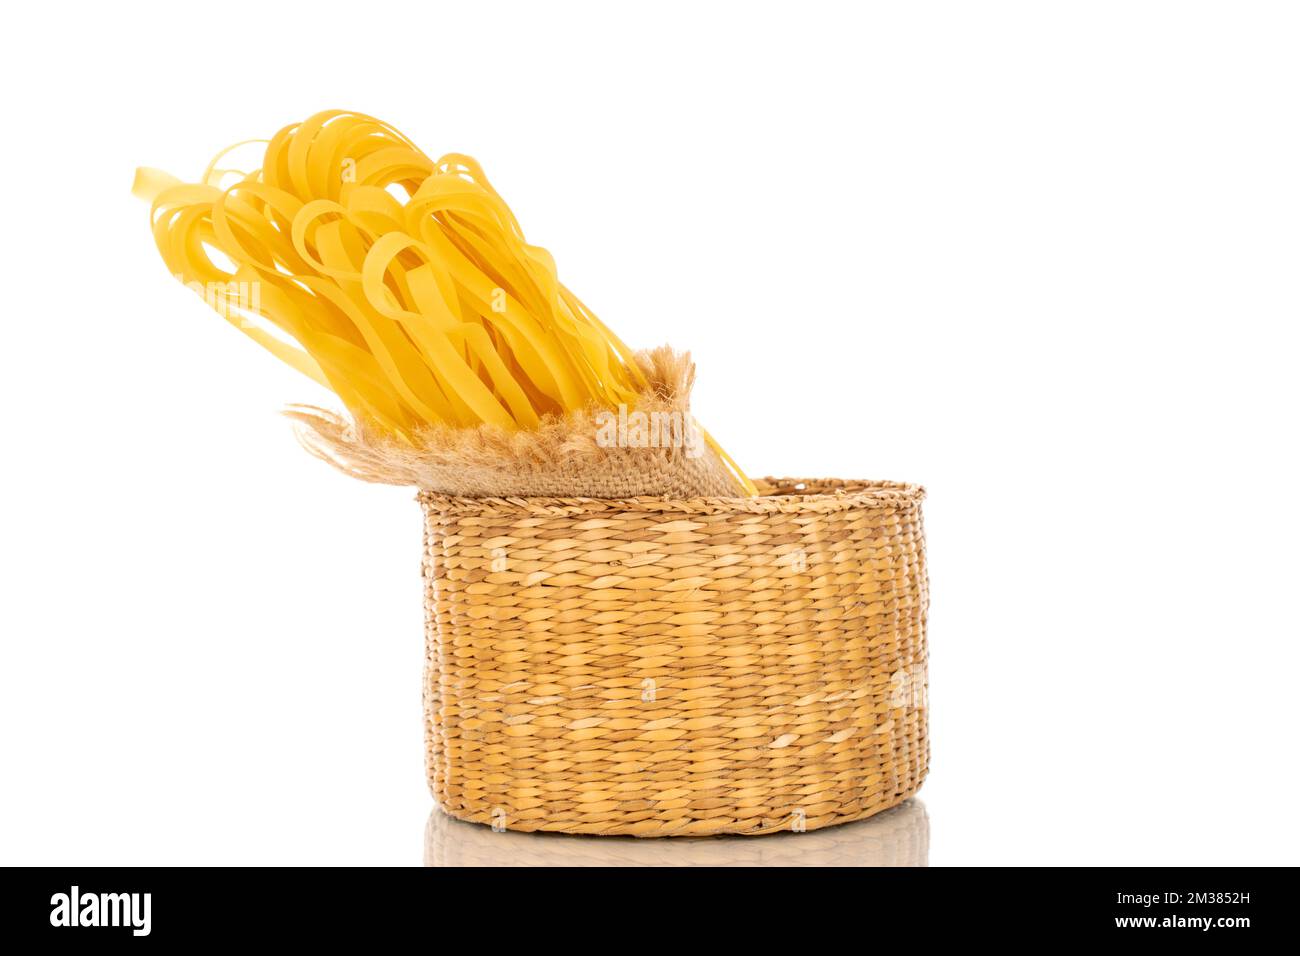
{"points": [[787, 495]]}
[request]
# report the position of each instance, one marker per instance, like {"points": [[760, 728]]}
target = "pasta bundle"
{"points": [[402, 284]]}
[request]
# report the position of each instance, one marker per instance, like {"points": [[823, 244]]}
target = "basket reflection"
{"points": [[897, 837]]}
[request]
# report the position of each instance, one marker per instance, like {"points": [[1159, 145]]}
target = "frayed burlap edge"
{"points": [[564, 458]]}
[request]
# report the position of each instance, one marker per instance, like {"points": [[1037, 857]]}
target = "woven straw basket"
{"points": [[656, 667]]}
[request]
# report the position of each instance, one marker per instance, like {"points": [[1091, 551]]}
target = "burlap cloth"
{"points": [[567, 457]]}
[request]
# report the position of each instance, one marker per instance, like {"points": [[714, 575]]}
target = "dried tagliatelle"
{"points": [[402, 284]]}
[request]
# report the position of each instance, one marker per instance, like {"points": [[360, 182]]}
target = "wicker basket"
{"points": [[655, 667]]}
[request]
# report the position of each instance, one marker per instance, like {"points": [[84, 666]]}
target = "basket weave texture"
{"points": [[660, 667]]}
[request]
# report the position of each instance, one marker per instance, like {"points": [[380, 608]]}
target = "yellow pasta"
{"points": [[403, 285]]}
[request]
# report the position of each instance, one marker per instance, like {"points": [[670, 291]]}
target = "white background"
{"points": [[1039, 257]]}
